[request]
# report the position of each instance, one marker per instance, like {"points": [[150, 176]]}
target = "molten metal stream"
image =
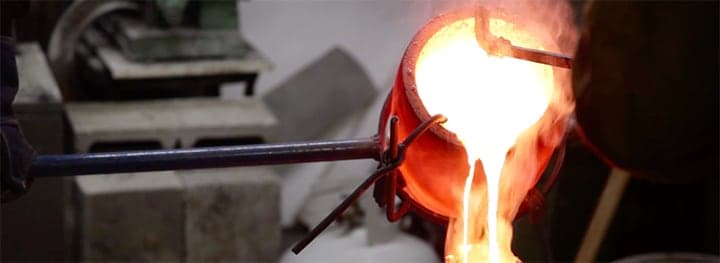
{"points": [[490, 103]]}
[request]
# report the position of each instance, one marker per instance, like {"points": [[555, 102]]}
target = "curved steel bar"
{"points": [[210, 157]]}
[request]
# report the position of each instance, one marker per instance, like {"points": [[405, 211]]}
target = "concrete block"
{"points": [[36, 82], [309, 197], [322, 101], [38, 102], [336, 106], [232, 214], [130, 217], [319, 96], [168, 121], [123, 69]]}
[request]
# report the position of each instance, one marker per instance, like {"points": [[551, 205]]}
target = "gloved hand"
{"points": [[15, 152]]}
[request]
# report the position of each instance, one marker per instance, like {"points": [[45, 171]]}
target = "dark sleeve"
{"points": [[16, 152]]}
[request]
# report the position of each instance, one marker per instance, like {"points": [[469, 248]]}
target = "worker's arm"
{"points": [[15, 152]]}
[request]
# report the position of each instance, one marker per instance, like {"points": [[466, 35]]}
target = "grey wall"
{"points": [[292, 33]]}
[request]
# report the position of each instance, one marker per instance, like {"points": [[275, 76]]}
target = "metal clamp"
{"points": [[391, 159]]}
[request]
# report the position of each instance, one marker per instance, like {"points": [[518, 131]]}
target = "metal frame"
{"points": [[394, 156]]}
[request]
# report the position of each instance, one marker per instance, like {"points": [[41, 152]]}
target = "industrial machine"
{"points": [[127, 50]]}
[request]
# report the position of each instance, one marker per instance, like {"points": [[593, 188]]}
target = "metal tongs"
{"points": [[501, 47]]}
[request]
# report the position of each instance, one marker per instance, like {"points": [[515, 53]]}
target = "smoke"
{"points": [[553, 20]]}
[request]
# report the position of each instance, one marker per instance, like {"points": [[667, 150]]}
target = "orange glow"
{"points": [[493, 104]]}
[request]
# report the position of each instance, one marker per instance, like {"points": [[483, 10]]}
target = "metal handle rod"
{"points": [[543, 57], [499, 46], [209, 157]]}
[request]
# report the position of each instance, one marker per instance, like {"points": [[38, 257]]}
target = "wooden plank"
{"points": [[604, 213]]}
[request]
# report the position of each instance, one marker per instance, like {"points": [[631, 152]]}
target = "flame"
{"points": [[493, 105]]}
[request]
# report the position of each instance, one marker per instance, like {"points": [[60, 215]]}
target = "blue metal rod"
{"points": [[209, 157]]}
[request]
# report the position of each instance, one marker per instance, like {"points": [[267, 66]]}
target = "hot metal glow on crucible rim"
{"points": [[436, 168], [438, 152]]}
